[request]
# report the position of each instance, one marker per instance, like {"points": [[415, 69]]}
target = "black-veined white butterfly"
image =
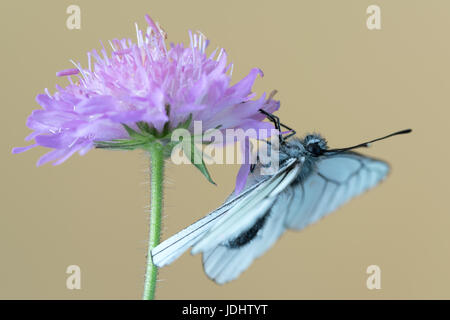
{"points": [[311, 182]]}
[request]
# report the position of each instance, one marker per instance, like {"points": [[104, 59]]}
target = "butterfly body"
{"points": [[311, 182], [303, 151]]}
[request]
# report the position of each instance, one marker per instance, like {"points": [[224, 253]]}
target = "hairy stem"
{"points": [[156, 192]]}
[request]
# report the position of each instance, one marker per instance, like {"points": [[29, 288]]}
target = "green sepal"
{"points": [[193, 154], [138, 140], [148, 135], [186, 123], [131, 132], [144, 127]]}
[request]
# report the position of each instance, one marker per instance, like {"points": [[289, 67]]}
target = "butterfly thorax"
{"points": [[307, 151]]}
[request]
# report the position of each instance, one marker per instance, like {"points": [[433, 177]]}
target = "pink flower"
{"points": [[143, 82]]}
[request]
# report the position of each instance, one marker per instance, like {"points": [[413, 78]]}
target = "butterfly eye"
{"points": [[315, 149]]}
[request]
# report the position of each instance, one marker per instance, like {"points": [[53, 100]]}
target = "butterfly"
{"points": [[311, 182]]}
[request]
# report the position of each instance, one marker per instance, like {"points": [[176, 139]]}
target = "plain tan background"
{"points": [[334, 76]]}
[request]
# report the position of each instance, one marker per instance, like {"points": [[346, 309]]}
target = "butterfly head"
{"points": [[315, 145]]}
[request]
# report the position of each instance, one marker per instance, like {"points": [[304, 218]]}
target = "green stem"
{"points": [[156, 185]]}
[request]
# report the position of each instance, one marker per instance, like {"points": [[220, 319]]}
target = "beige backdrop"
{"points": [[334, 76]]}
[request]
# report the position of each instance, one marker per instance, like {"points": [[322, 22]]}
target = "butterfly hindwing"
{"points": [[226, 262], [170, 249], [246, 212], [335, 179]]}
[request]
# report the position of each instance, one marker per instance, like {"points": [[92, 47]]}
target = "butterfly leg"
{"points": [[273, 118], [292, 133], [278, 125]]}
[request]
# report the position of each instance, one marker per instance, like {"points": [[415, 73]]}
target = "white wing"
{"points": [[224, 263], [334, 181], [175, 246], [246, 212]]}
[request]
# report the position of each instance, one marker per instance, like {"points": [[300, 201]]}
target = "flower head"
{"points": [[143, 83]]}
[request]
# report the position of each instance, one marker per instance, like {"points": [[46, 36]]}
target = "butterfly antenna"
{"points": [[367, 144]]}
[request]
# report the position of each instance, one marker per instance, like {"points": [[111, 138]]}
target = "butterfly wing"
{"points": [[170, 249], [334, 181], [224, 263], [244, 214], [175, 246]]}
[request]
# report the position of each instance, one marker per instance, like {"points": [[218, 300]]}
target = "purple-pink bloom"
{"points": [[148, 82]]}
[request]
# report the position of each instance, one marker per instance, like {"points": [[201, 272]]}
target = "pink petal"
{"points": [[23, 149], [67, 72], [241, 178]]}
